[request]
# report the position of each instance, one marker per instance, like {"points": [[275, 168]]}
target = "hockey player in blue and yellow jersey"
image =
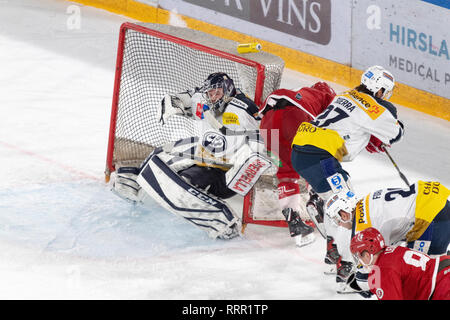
{"points": [[353, 120], [358, 118]]}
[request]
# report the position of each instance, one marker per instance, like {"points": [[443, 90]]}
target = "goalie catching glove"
{"points": [[179, 104]]}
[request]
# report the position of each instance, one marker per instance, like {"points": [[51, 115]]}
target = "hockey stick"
{"points": [[402, 176]]}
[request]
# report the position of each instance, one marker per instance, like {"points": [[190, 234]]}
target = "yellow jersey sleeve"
{"points": [[431, 198], [326, 139]]}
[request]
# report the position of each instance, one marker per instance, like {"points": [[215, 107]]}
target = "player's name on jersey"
{"points": [[346, 104]]}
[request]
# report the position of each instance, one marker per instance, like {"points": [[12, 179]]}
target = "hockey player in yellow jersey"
{"points": [[354, 119], [418, 216], [358, 118]]}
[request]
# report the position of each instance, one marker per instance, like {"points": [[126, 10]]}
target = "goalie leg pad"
{"points": [[183, 199], [243, 176]]}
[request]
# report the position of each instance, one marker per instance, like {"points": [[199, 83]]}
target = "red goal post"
{"points": [[153, 60]]}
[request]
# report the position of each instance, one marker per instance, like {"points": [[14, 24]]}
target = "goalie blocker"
{"points": [[183, 199]]}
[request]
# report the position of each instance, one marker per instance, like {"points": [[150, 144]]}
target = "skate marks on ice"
{"points": [[87, 219]]}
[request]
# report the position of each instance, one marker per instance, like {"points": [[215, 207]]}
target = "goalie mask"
{"points": [[218, 89], [376, 78]]}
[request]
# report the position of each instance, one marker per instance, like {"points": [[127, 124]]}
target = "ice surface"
{"points": [[64, 235]]}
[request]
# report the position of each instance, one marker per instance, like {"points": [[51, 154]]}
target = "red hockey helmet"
{"points": [[324, 87], [369, 240]]}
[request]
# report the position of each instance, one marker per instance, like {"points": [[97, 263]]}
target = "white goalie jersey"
{"points": [[240, 112]]}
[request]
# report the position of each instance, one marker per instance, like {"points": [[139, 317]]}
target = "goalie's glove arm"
{"points": [[176, 104]]}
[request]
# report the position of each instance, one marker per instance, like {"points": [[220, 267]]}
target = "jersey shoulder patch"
{"points": [[243, 102], [366, 103]]}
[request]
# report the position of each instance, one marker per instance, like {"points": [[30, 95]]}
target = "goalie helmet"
{"points": [[345, 201], [370, 240], [218, 89], [376, 78]]}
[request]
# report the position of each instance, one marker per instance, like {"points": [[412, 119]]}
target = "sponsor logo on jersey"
{"points": [[238, 103], [380, 293], [362, 215], [214, 142], [308, 127], [230, 118], [336, 183], [366, 103], [377, 194], [430, 187], [422, 246]]}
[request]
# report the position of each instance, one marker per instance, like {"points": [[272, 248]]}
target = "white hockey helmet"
{"points": [[344, 200], [376, 78]]}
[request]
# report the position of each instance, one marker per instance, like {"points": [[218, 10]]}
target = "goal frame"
{"points": [[120, 50], [259, 87]]}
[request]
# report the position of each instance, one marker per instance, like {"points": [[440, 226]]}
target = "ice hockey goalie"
{"points": [[228, 164]]}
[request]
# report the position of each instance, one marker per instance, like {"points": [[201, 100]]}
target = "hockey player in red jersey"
{"points": [[399, 273], [283, 111]]}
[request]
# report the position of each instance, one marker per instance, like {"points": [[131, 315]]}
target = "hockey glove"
{"points": [[173, 105], [375, 145]]}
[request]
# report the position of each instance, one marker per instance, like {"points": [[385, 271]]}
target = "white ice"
{"points": [[64, 235]]}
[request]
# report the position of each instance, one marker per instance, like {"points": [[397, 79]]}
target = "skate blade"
{"points": [[301, 241]]}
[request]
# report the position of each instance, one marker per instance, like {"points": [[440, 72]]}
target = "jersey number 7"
{"points": [[331, 115]]}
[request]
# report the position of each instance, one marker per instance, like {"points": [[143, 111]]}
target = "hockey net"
{"points": [[154, 60]]}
